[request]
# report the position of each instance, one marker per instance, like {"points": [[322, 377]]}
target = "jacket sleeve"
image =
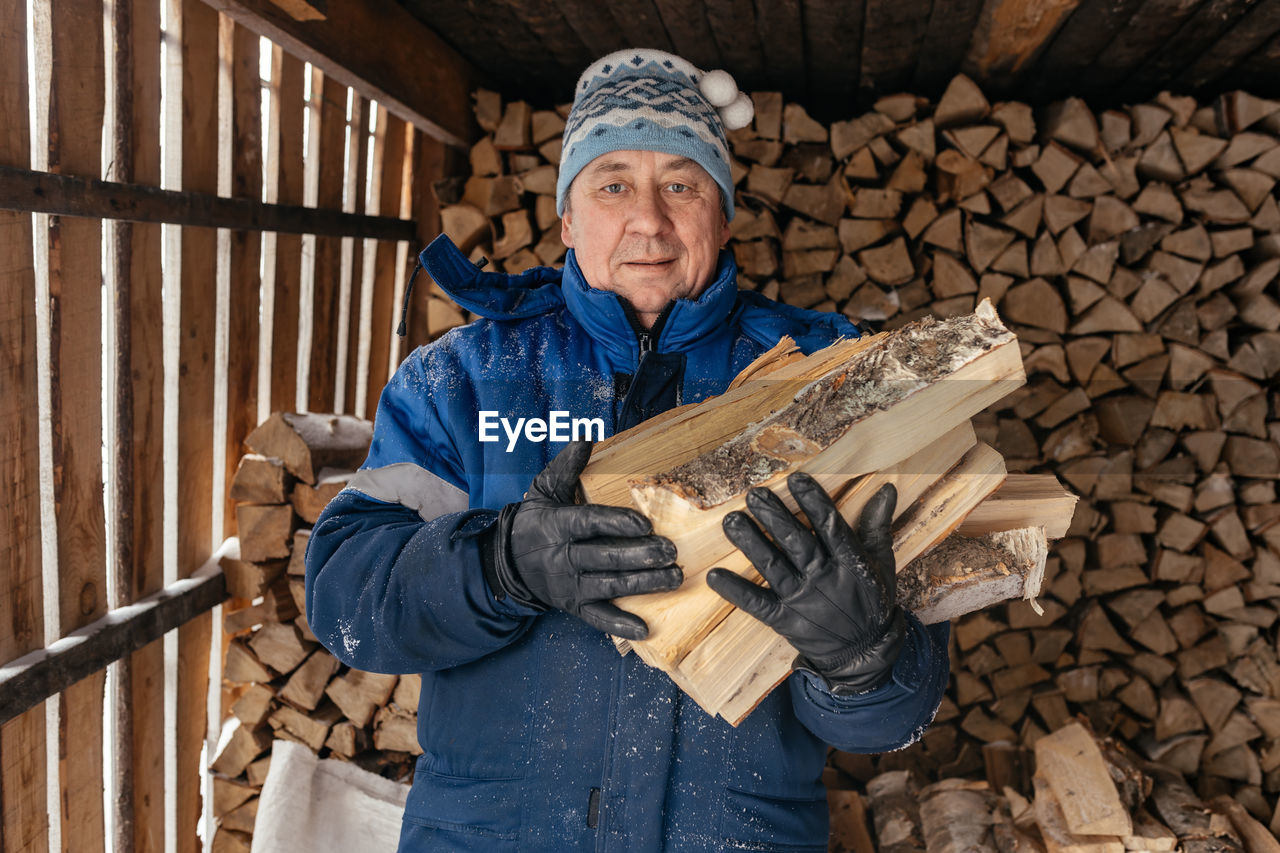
{"points": [[394, 579], [893, 715]]}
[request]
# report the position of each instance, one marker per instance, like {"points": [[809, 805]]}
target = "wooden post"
{"points": [[332, 133], [194, 462], [23, 783], [146, 571], [76, 87], [284, 186]]}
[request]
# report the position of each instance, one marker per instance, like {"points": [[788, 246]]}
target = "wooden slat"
{"points": [[23, 814], [29, 680], [454, 18], [782, 37], [363, 400], [1200, 31], [27, 190], [333, 123], [77, 94], [245, 166], [369, 47], [1249, 33], [595, 26], [195, 401], [1009, 36], [546, 21], [1260, 70], [147, 359], [686, 24], [284, 178], [353, 263], [733, 22], [1086, 33], [384, 312], [833, 39], [640, 24], [1152, 25], [432, 162], [944, 44], [893, 31]]}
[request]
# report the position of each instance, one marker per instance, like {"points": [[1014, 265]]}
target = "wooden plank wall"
{"points": [[837, 56], [214, 346]]}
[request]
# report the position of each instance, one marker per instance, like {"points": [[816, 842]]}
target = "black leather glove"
{"points": [[548, 551], [832, 593]]}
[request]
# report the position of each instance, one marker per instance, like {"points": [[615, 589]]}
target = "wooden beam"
{"points": [[833, 42], [1192, 39], [1151, 26], [44, 192], [34, 677], [380, 50], [1085, 34], [1248, 34], [1009, 36], [892, 33], [945, 40]]}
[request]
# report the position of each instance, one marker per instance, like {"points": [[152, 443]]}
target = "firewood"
{"points": [[889, 264], [242, 747], [253, 705], [308, 500], [242, 666], [265, 531], [798, 127], [945, 231], [308, 442], [279, 646], [513, 132], [260, 480], [249, 580], [396, 729], [855, 234], [961, 103], [309, 729], [306, 685]]}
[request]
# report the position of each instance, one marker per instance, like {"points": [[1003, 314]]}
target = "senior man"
{"points": [[462, 552]]}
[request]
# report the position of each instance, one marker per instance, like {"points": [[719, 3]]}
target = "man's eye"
{"points": [[613, 189], [678, 188]]}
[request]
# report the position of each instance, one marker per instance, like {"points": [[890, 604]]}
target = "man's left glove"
{"points": [[832, 592]]}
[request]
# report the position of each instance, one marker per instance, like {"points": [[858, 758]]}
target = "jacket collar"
{"points": [[498, 296]]}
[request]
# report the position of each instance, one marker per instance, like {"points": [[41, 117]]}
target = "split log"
{"points": [[305, 443]]}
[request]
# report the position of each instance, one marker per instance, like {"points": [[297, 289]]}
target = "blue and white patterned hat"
{"points": [[649, 100]]}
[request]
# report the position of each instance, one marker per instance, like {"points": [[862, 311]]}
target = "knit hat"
{"points": [[649, 100]]}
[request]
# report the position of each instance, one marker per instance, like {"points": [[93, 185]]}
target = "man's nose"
{"points": [[649, 212]]}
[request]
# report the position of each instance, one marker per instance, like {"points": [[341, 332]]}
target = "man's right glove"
{"points": [[549, 551]]}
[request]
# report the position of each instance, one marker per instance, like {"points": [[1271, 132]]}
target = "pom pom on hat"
{"points": [[719, 88], [739, 113]]}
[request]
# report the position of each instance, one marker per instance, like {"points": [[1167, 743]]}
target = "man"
{"points": [[441, 558]]}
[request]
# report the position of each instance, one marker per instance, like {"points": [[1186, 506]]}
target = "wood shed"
{"points": [[209, 212]]}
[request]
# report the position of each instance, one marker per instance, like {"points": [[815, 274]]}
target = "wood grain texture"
{"points": [[945, 40], [639, 23], [75, 65], [384, 314], [1250, 32], [833, 39], [195, 400], [547, 22], [1260, 70], [782, 38], [1198, 33], [285, 169], [371, 47], [1151, 25], [689, 29], [734, 25], [1085, 34], [23, 813], [245, 166], [147, 517], [891, 37], [357, 170], [1009, 36], [333, 122]]}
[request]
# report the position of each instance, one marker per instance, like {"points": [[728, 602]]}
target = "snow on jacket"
{"points": [[536, 734]]}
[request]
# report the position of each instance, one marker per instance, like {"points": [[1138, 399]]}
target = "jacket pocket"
{"points": [[756, 822], [479, 718], [453, 813]]}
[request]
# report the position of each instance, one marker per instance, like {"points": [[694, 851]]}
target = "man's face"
{"points": [[645, 226]]}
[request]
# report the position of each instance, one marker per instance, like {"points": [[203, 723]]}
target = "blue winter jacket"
{"points": [[536, 734]]}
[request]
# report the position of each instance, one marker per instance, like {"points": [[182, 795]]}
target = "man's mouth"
{"points": [[652, 263]]}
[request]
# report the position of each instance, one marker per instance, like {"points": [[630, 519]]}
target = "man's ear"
{"points": [[566, 228], [724, 228]]}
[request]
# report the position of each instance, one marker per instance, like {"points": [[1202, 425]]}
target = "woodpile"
{"points": [[1075, 792], [279, 682], [1134, 252]]}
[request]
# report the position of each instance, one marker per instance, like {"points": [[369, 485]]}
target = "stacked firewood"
{"points": [[279, 681], [1135, 254], [1078, 792]]}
